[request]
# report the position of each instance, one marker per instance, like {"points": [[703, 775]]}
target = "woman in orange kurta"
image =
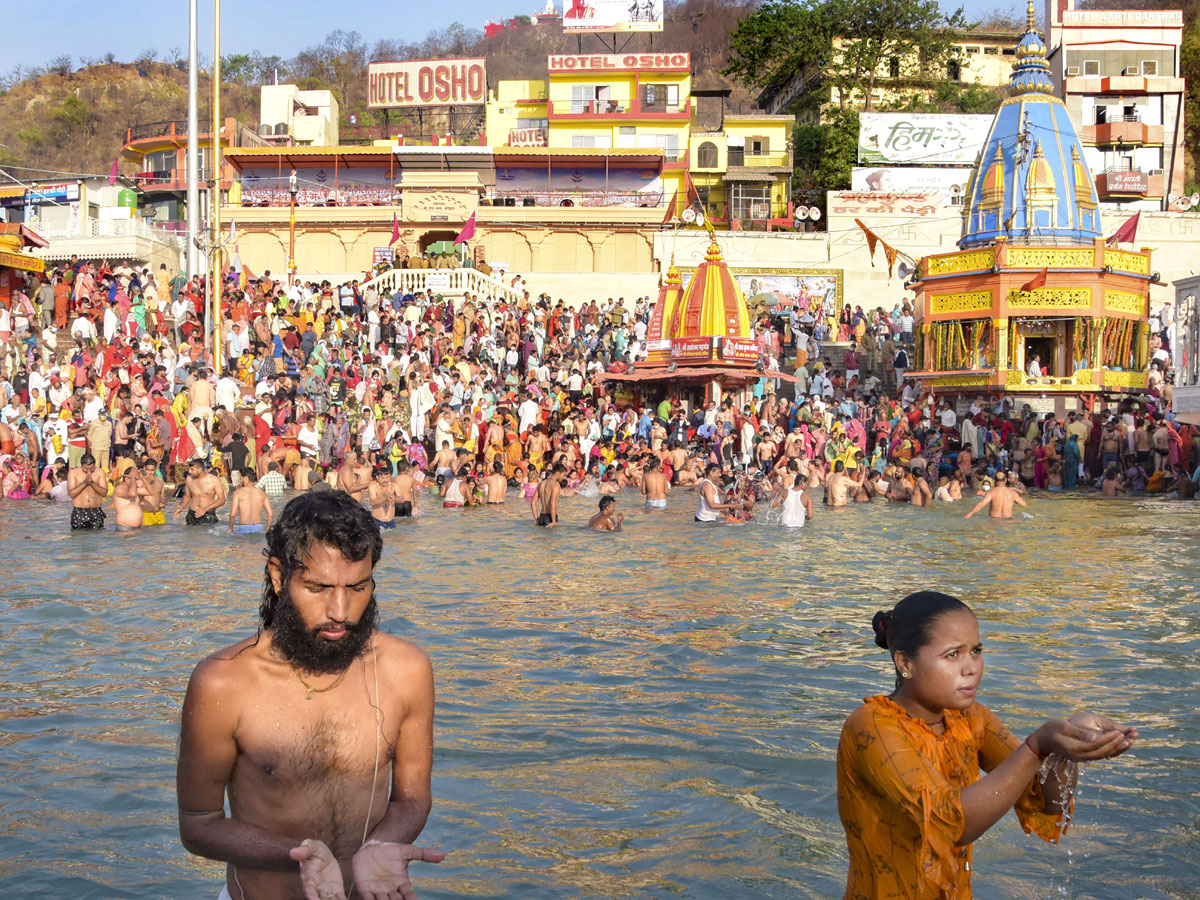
{"points": [[910, 794]]}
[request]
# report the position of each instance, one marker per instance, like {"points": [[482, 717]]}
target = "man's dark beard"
{"points": [[305, 649]]}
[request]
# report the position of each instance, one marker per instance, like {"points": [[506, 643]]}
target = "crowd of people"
{"points": [[112, 394]]}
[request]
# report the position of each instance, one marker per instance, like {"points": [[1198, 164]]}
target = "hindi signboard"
{"points": [[921, 138], [426, 82], [739, 350], [859, 204], [384, 255], [611, 16], [683, 349]]}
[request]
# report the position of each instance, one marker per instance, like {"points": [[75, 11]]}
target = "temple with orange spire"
{"points": [[701, 335], [1033, 276]]}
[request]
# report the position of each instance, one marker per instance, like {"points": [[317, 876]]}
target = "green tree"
{"points": [[846, 44], [825, 153]]}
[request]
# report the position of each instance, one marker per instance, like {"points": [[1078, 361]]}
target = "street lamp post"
{"points": [[292, 188]]}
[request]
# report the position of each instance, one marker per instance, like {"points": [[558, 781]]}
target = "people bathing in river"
{"points": [[909, 791]]}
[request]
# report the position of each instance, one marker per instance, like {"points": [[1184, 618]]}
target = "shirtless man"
{"points": [[155, 496], [87, 487], [605, 520], [921, 493], [249, 502], [201, 396], [655, 486], [127, 493], [203, 495], [383, 504], [837, 485], [496, 485], [443, 461], [354, 477], [305, 475], [545, 498], [404, 491], [1112, 483], [999, 499], [308, 777]]}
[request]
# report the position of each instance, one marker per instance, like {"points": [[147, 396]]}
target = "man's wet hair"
{"points": [[326, 517]]}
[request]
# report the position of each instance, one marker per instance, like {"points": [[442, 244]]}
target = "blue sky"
{"points": [[280, 27]]}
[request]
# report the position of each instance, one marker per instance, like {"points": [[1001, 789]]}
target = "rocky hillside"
{"points": [[65, 120]]}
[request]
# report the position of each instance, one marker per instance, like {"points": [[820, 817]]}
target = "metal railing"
{"points": [[449, 282], [355, 196], [101, 228]]}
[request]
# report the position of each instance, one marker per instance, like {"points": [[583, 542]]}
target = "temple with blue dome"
{"points": [[1034, 302]]}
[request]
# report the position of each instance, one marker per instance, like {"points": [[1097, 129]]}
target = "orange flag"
{"points": [[1035, 282], [671, 209]]}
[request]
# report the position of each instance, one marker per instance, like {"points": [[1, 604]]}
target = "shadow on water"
{"points": [[651, 714]]}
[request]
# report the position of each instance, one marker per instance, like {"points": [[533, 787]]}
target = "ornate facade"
{"points": [[1033, 277]]}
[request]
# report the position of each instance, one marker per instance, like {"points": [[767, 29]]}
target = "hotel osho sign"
{"points": [[426, 82]]}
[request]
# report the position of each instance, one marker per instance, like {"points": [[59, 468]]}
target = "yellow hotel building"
{"points": [[575, 175]]}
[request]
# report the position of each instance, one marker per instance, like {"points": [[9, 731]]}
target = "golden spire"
{"points": [[1029, 23]]}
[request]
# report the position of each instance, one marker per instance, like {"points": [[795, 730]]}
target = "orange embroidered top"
{"points": [[898, 785]]}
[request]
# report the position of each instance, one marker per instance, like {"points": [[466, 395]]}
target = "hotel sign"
{"points": [[426, 82], [1123, 17], [646, 62], [1127, 182], [527, 137]]}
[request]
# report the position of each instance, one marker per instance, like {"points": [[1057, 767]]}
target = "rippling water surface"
{"points": [[652, 714]]}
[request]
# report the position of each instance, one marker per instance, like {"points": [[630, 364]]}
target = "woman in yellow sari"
{"points": [[910, 795]]}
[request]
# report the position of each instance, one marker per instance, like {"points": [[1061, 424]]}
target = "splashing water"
{"points": [[1067, 773]]}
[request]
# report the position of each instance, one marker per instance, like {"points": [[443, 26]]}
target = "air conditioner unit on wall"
{"points": [[1131, 70], [1156, 171], [1072, 70]]}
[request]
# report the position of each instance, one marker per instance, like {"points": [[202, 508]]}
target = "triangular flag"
{"points": [[247, 275], [112, 175], [395, 230], [872, 239], [890, 252], [1035, 282], [671, 209], [693, 196], [233, 234], [468, 231], [1127, 233]]}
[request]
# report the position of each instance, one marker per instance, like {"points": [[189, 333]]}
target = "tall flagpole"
{"points": [[214, 272], [193, 146]]}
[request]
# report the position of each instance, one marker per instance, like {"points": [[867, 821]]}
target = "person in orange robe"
{"points": [[910, 795]]}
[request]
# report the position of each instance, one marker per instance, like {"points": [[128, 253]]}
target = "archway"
{"points": [[433, 237]]}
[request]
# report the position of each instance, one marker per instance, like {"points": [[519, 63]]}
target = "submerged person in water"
{"points": [[319, 727], [910, 795]]}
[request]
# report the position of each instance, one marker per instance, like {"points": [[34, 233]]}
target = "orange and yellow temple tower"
{"points": [[1033, 275]]}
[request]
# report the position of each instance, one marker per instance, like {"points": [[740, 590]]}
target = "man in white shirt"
{"points": [[1035, 367], [947, 416], [229, 392], [83, 329], [179, 310], [528, 412]]}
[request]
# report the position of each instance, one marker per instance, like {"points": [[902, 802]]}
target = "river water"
{"points": [[652, 714]]}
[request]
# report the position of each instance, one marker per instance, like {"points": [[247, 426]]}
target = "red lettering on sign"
{"points": [[475, 86], [425, 84], [441, 83]]}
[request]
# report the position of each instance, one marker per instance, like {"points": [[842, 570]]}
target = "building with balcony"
{"points": [[613, 108], [90, 219], [292, 117], [160, 151], [982, 58], [1118, 71]]}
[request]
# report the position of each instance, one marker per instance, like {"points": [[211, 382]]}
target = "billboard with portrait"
{"points": [[910, 180], [610, 16], [921, 138], [816, 290]]}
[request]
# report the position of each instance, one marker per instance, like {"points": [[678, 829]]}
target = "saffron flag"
{"points": [[468, 231], [1127, 233], [247, 276], [112, 175], [395, 230], [671, 209], [874, 240], [1035, 282]]}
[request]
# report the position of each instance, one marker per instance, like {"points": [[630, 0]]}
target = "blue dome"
{"points": [[1030, 182]]}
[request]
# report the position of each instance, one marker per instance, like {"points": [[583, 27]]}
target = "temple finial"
{"points": [[1029, 24]]}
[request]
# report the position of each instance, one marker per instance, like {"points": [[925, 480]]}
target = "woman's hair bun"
{"points": [[879, 624]]}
